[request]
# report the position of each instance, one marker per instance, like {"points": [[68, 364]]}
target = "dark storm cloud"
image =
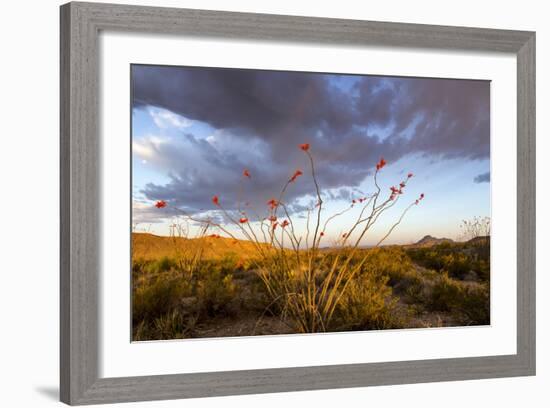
{"points": [[259, 102], [483, 178], [450, 117], [197, 171], [350, 125]]}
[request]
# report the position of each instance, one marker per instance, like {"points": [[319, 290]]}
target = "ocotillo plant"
{"points": [[306, 284]]}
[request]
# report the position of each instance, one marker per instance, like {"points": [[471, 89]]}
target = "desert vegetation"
{"points": [[252, 274]]}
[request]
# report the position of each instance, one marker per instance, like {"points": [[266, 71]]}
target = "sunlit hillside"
{"points": [[152, 247]]}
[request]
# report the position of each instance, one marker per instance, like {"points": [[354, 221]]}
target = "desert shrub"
{"points": [[446, 294], [164, 264], [415, 288], [141, 332], [405, 279], [483, 269], [151, 301], [476, 304], [148, 271], [367, 304], [468, 301], [392, 262], [170, 325], [456, 264], [222, 266], [458, 260], [216, 294], [168, 303]]}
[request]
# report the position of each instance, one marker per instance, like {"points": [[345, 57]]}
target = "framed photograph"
{"points": [[261, 203]]}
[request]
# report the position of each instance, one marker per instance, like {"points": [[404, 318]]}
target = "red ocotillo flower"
{"points": [[402, 184], [296, 174], [344, 235], [321, 234], [275, 225], [284, 223], [272, 203], [243, 220], [410, 175], [272, 218], [304, 147], [421, 196], [246, 173], [216, 200], [161, 204], [380, 164]]}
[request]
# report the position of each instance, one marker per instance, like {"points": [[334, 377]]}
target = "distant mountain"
{"points": [[429, 241]]}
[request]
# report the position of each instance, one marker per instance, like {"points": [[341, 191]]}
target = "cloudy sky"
{"points": [[194, 131]]}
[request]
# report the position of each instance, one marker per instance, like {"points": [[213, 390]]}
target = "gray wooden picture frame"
{"points": [[81, 24]]}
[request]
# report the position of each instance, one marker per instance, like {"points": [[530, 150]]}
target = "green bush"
{"points": [[468, 301], [366, 304], [458, 260], [168, 303], [158, 298], [391, 261], [216, 294]]}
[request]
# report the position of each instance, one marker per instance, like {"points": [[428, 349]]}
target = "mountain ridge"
{"points": [[429, 240]]}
